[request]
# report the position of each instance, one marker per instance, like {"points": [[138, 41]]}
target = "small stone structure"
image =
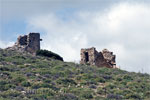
{"points": [[28, 43], [104, 58]]}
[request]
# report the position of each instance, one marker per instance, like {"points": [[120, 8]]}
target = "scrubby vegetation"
{"points": [[50, 54], [27, 77]]}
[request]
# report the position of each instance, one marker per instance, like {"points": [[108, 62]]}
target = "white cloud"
{"points": [[62, 37], [4, 44], [124, 29]]}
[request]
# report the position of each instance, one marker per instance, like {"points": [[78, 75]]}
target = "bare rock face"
{"points": [[27, 43], [104, 58]]}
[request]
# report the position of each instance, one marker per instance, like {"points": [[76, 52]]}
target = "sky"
{"points": [[66, 26]]}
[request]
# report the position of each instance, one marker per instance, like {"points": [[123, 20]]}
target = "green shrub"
{"points": [[101, 91], [36, 86], [19, 79], [10, 94], [47, 81], [50, 54], [101, 80], [127, 77], [134, 96], [66, 96], [111, 86], [147, 94], [114, 97], [66, 81], [87, 95], [46, 85], [3, 84], [25, 84], [118, 79], [99, 98], [4, 69], [126, 92]]}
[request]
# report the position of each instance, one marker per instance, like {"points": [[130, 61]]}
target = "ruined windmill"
{"points": [[104, 58], [27, 43]]}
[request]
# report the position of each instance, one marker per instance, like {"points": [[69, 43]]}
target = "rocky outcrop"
{"points": [[104, 58], [27, 43]]}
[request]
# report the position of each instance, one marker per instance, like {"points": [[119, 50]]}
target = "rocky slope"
{"points": [[27, 77]]}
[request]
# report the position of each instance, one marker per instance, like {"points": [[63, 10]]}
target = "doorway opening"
{"points": [[86, 56]]}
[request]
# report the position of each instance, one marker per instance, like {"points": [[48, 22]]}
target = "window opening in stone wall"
{"points": [[86, 56]]}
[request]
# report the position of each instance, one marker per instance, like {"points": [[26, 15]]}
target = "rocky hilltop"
{"points": [[31, 44], [29, 73], [27, 77]]}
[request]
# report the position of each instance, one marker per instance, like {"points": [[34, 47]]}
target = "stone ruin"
{"points": [[31, 43], [28, 43], [104, 58]]}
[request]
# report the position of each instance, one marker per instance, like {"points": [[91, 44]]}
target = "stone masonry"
{"points": [[104, 58], [28, 43]]}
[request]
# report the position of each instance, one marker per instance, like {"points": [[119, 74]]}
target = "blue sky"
{"points": [[66, 26]]}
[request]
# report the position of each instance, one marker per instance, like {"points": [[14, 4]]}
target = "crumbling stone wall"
{"points": [[28, 43], [22, 40], [104, 58], [88, 56], [33, 42]]}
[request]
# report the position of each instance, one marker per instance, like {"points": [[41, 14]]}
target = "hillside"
{"points": [[27, 77]]}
